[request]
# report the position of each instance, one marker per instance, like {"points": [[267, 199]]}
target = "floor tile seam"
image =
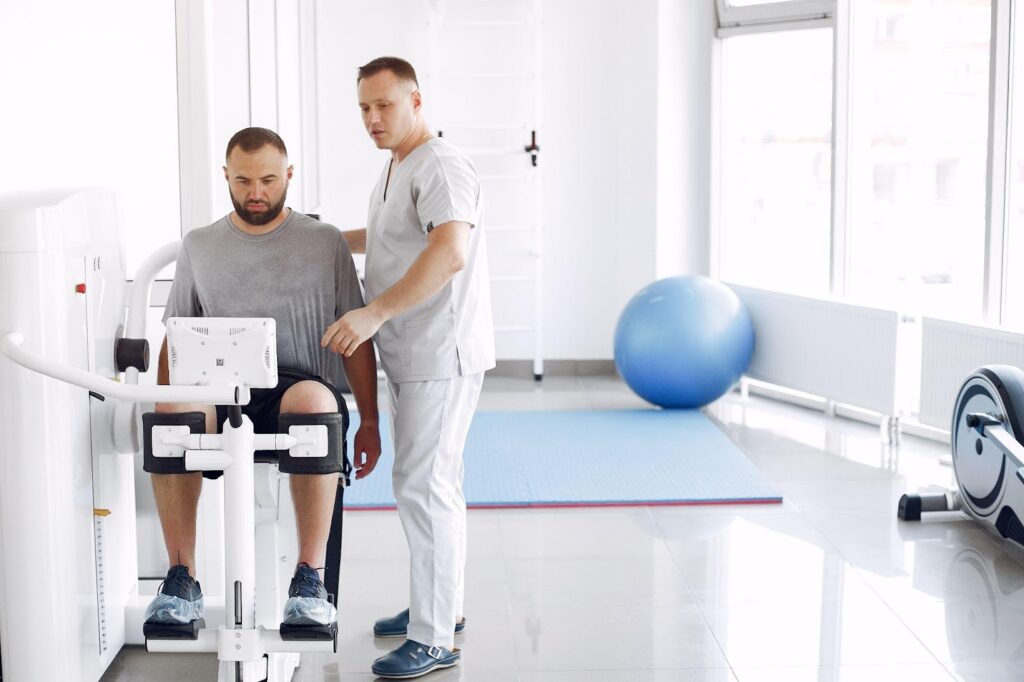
{"points": [[979, 661], [657, 669], [625, 669], [515, 644], [506, 587], [950, 669], [846, 479], [949, 666], [844, 513], [675, 559], [889, 607], [707, 623], [818, 524], [837, 666], [591, 557], [816, 479]]}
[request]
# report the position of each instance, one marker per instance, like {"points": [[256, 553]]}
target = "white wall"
{"points": [[89, 98], [349, 34], [625, 138], [625, 144]]}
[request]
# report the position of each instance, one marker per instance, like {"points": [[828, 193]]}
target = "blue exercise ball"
{"points": [[682, 342]]}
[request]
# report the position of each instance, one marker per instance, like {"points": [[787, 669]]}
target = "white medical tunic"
{"points": [[450, 334]]}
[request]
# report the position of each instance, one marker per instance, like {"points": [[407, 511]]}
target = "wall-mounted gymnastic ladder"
{"points": [[485, 82]]}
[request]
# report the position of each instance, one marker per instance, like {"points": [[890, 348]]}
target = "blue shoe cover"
{"points": [[309, 611], [166, 608]]}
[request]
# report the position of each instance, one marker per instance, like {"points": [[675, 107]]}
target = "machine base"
{"points": [[909, 508]]}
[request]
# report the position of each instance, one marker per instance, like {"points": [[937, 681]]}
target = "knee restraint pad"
{"points": [[335, 435], [162, 462]]}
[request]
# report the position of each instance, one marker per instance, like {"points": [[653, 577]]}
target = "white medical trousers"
{"points": [[430, 420]]}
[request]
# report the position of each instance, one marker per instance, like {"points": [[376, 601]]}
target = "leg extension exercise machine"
{"points": [[69, 572]]}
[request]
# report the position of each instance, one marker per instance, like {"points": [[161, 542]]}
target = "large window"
{"points": [[908, 230], [918, 117], [776, 160], [1013, 301]]}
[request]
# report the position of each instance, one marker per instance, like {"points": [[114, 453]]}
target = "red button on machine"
{"points": [[80, 288]]}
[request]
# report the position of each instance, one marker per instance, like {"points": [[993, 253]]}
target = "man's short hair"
{"points": [[254, 139], [401, 68]]}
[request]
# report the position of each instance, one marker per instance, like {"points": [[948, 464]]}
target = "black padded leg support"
{"points": [[173, 631], [331, 464], [196, 423], [315, 633]]}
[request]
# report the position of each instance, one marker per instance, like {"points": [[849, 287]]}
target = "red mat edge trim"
{"points": [[583, 505]]}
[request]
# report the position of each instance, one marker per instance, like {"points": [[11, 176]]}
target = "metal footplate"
{"points": [[173, 630]]}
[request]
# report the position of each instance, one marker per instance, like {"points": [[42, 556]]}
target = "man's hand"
{"points": [[354, 327], [366, 449]]}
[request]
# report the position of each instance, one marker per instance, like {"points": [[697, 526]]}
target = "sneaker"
{"points": [[180, 600], [307, 599], [398, 626], [413, 659]]}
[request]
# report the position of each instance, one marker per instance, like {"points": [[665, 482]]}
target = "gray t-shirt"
{"points": [[301, 274]]}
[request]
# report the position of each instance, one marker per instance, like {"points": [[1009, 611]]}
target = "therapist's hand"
{"points": [[354, 327], [366, 449]]}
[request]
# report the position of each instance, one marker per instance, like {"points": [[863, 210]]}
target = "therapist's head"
{"points": [[256, 168], [389, 97]]}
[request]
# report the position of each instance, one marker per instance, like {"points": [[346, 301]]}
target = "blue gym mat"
{"points": [[592, 458]]}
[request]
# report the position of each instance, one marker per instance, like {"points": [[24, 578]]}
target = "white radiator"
{"points": [[839, 351], [949, 352]]}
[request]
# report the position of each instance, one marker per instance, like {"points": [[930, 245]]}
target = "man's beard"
{"points": [[263, 217]]}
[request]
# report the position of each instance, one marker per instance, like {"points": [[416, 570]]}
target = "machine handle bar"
{"points": [[11, 345]]}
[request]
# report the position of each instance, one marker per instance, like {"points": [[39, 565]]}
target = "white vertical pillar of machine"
{"points": [[239, 546]]}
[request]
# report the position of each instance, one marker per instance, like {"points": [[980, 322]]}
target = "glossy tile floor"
{"points": [[827, 586]]}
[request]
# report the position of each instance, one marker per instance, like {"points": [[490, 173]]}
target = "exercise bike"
{"points": [[988, 457]]}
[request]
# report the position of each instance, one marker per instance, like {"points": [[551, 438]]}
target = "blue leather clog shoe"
{"points": [[413, 659]]}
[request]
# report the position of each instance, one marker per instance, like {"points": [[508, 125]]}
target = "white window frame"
{"points": [[775, 16], [997, 191]]}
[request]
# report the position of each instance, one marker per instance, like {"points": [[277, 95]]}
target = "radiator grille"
{"points": [[839, 351], [950, 351]]}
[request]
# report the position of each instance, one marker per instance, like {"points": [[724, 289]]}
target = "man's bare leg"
{"points": [[312, 494], [177, 499]]}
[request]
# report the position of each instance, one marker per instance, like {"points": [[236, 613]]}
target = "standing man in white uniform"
{"points": [[429, 311]]}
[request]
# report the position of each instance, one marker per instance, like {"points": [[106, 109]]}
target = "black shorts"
{"points": [[265, 406]]}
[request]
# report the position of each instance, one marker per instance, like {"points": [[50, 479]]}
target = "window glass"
{"points": [[775, 209], [918, 151]]}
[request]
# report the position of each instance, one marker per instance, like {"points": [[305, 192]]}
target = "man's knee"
{"points": [[308, 397]]}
